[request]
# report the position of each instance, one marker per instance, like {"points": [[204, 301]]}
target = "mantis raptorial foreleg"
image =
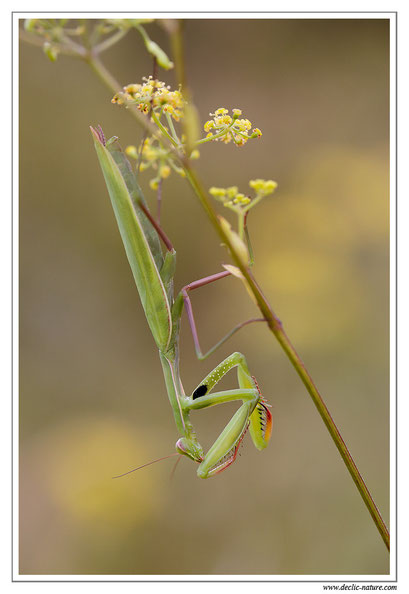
{"points": [[253, 410]]}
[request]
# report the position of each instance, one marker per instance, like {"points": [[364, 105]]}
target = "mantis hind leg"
{"points": [[224, 450]]}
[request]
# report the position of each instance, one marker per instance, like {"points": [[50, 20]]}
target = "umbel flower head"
{"points": [[152, 94], [234, 200], [230, 128]]}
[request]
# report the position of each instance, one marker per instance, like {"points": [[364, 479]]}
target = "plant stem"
{"points": [[68, 47], [103, 73], [107, 43], [163, 129], [172, 129]]}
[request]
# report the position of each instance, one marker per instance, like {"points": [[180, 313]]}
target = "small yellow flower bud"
{"points": [[164, 171], [262, 187], [132, 88], [217, 192], [232, 191], [270, 186], [131, 151], [50, 51], [117, 99], [256, 184], [224, 120], [243, 125]]}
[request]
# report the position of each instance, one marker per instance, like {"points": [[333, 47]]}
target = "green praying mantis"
{"points": [[153, 272]]}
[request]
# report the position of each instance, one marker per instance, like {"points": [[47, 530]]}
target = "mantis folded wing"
{"points": [[153, 274]]}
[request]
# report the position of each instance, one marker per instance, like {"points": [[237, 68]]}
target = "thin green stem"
{"points": [[296, 361], [103, 74], [163, 129], [255, 201], [172, 128], [213, 137], [68, 48], [248, 242], [143, 33], [241, 216], [107, 43]]}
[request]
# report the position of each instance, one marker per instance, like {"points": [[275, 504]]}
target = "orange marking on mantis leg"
{"points": [[264, 418]]}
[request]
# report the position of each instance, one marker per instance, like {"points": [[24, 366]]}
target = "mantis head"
{"points": [[191, 448]]}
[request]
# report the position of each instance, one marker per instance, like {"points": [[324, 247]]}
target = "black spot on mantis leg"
{"points": [[200, 391]]}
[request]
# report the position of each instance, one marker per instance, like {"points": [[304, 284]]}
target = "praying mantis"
{"points": [[153, 272]]}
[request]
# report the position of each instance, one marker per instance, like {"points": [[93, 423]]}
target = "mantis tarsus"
{"points": [[153, 273]]}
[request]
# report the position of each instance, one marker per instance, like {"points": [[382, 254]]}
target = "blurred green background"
{"points": [[92, 396]]}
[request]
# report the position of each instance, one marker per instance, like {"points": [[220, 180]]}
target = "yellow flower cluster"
{"points": [[155, 156], [263, 187], [229, 128], [235, 200], [152, 94], [230, 197]]}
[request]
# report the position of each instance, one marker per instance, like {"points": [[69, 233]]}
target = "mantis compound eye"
{"points": [[181, 446], [189, 448]]}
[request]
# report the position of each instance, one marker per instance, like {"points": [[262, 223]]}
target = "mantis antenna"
{"points": [[147, 464]]}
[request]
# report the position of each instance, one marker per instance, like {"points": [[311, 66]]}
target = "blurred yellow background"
{"points": [[92, 398]]}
